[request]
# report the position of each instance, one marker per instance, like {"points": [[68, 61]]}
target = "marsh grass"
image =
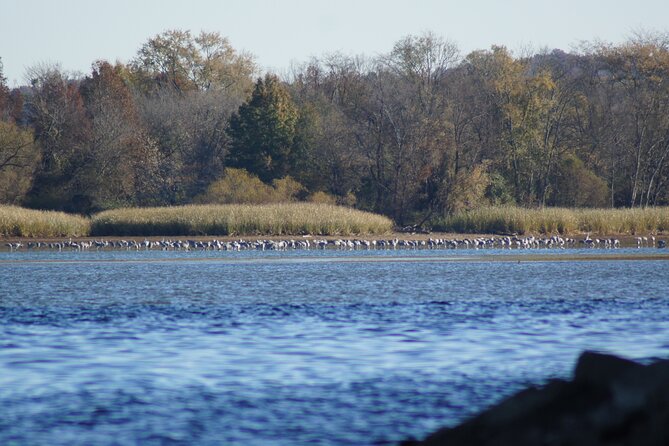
{"points": [[239, 219], [20, 222], [320, 219], [515, 220]]}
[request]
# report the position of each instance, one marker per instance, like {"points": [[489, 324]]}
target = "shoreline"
{"points": [[386, 236], [476, 258], [625, 240], [292, 220]]}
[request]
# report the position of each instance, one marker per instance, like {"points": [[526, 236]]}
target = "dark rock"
{"points": [[610, 401], [598, 369]]}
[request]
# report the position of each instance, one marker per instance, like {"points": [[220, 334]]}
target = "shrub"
{"points": [[322, 198], [237, 186], [286, 190], [240, 187], [578, 186]]}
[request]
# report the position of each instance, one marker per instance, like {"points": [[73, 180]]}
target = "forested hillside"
{"points": [[415, 134]]}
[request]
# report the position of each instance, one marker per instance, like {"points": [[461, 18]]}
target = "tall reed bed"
{"points": [[239, 219], [508, 219], [20, 222]]}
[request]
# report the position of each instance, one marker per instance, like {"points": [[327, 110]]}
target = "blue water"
{"points": [[331, 348]]}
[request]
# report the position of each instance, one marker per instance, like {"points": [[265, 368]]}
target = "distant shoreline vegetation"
{"points": [[288, 219], [421, 132], [223, 220], [515, 220], [20, 222], [240, 219]]}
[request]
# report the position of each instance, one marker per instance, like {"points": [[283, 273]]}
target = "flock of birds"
{"points": [[505, 242]]}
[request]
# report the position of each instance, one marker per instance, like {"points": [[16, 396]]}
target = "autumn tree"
{"points": [[327, 158], [190, 131], [635, 73], [179, 60], [187, 88], [401, 129], [556, 144], [4, 91], [122, 162], [415, 133], [528, 109], [263, 131], [19, 157], [11, 100], [62, 129]]}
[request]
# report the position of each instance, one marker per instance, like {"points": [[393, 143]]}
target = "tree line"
{"points": [[418, 133]]}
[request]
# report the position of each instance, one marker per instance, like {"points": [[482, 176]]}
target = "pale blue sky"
{"points": [[77, 32]]}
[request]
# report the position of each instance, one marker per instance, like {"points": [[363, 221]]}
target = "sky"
{"points": [[75, 33]]}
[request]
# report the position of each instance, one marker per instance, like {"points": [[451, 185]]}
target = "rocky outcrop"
{"points": [[609, 401]]}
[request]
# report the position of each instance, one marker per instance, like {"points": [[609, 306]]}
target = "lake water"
{"points": [[296, 348]]}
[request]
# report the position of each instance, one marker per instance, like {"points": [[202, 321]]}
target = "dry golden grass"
{"points": [[320, 219], [240, 219], [510, 219], [20, 222]]}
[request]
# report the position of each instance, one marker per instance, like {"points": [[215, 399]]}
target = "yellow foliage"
{"points": [[322, 198], [286, 189], [469, 189], [240, 187]]}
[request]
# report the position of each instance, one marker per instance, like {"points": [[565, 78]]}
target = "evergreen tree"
{"points": [[263, 131]]}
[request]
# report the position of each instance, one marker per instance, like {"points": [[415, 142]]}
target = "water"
{"points": [[332, 348]]}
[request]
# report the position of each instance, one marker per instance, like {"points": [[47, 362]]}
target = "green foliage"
{"points": [[240, 219], [577, 186], [498, 191], [263, 131]]}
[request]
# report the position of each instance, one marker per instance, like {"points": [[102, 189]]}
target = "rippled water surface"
{"points": [[301, 347]]}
